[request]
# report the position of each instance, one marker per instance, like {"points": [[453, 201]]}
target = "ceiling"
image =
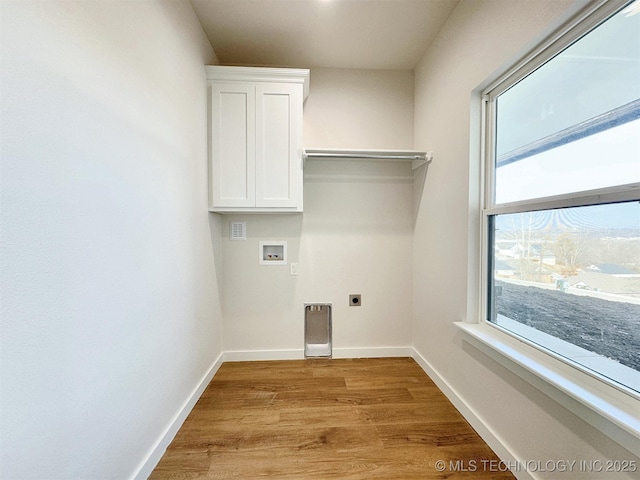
{"points": [[362, 34]]}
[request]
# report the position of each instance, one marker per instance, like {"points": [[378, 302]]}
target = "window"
{"points": [[562, 198]]}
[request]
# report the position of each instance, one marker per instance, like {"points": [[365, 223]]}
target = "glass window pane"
{"points": [[574, 123], [605, 159], [569, 280]]}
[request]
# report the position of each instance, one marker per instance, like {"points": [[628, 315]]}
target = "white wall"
{"points": [[354, 236], [479, 38], [108, 283], [359, 109]]}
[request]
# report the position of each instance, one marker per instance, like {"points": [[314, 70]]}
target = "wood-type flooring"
{"points": [[379, 418]]}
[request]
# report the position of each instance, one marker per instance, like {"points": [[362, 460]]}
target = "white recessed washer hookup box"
{"points": [[273, 252]]}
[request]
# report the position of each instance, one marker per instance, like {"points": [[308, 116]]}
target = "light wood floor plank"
{"points": [[324, 419]]}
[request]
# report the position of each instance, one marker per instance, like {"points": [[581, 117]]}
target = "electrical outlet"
{"points": [[294, 269], [355, 300]]}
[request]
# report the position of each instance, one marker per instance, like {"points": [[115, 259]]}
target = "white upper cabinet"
{"points": [[255, 138]]}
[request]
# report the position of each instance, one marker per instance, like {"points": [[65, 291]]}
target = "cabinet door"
{"points": [[279, 146], [233, 145]]}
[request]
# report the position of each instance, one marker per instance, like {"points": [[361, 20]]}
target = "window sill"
{"points": [[613, 412], [617, 373]]}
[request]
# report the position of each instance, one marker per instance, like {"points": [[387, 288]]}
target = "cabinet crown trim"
{"points": [[259, 74]]}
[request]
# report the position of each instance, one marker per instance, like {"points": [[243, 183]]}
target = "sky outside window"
{"points": [[596, 75]]}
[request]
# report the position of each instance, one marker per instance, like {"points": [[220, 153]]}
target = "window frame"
{"points": [[610, 407]]}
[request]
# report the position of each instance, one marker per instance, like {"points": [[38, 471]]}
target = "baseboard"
{"points": [[376, 352], [170, 432], [259, 355], [497, 445]]}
